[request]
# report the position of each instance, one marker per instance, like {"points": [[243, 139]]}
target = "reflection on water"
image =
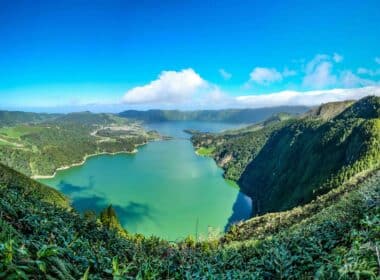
{"points": [[70, 189], [132, 213], [241, 210]]}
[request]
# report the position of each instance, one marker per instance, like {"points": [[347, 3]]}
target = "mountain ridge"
{"points": [[226, 115]]}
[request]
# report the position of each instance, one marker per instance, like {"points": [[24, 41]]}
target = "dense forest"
{"points": [[47, 142], [319, 173], [226, 115]]}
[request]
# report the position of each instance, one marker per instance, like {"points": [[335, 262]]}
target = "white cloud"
{"points": [[213, 99], [225, 74], [170, 87], [349, 79], [363, 70], [187, 90], [311, 65], [183, 89], [308, 98], [369, 72], [264, 76], [377, 60], [337, 58], [288, 73], [318, 72], [217, 99]]}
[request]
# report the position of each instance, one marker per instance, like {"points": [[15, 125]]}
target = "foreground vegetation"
{"points": [[48, 142]]}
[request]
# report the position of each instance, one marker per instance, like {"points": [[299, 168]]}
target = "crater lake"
{"points": [[164, 189]]}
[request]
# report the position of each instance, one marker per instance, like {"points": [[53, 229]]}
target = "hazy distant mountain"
{"points": [[225, 115]]}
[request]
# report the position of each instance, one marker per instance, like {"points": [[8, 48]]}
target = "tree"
{"points": [[108, 218]]}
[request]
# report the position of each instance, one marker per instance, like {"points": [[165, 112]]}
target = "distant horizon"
{"points": [[121, 108], [51, 110]]}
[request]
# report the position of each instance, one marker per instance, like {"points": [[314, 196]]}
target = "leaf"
{"points": [[86, 273], [47, 251], [41, 266]]}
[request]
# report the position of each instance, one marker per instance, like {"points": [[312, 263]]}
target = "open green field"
{"points": [[9, 141], [203, 151], [20, 130], [4, 143]]}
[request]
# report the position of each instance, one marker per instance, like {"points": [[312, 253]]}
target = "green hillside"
{"points": [[10, 118], [234, 149], [39, 148], [330, 110]]}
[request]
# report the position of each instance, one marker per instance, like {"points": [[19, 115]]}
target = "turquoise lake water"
{"points": [[165, 189]]}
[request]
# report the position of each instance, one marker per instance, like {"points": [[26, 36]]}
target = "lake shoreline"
{"points": [[65, 167], [144, 188]]}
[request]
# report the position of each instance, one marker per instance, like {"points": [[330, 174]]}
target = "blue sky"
{"points": [[113, 55]]}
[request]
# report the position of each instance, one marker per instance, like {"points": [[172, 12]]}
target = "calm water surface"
{"points": [[164, 190]]}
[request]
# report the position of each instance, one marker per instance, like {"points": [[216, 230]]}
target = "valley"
{"points": [[311, 181], [189, 140]]}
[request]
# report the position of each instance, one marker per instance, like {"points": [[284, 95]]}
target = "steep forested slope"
{"points": [[24, 186], [234, 149], [330, 110], [309, 157]]}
